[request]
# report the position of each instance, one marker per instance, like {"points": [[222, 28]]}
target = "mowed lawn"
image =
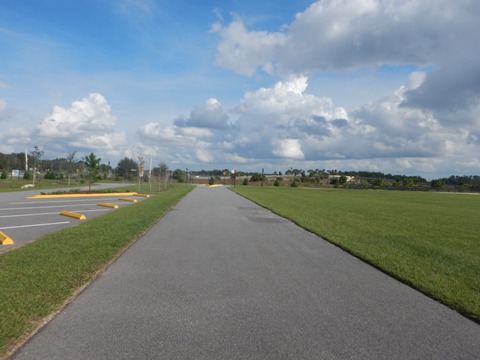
{"points": [[430, 241]]}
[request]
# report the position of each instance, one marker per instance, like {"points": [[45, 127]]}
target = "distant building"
{"points": [[349, 178]]}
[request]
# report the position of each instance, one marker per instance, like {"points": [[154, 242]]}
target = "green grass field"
{"points": [[430, 241], [16, 184], [47, 185], [36, 279]]}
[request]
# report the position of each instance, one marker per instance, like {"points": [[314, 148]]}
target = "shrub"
{"points": [[245, 181], [50, 175], [276, 183], [258, 177]]}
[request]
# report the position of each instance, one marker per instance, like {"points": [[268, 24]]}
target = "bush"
{"points": [[258, 177], [276, 183], [294, 184], [3, 175], [437, 184], [245, 181], [28, 175], [50, 175], [211, 180]]}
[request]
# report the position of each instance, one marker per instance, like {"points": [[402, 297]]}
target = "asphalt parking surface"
{"points": [[25, 219]]}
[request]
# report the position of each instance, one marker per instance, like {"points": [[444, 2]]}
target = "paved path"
{"points": [[221, 278]]}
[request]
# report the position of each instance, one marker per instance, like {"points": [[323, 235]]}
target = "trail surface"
{"points": [[222, 278]]}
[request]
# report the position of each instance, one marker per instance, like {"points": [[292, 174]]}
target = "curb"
{"points": [[5, 240], [73, 215], [128, 199], [113, 206], [80, 195]]}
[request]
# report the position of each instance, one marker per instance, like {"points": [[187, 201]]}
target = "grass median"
{"points": [[37, 279], [16, 185], [430, 241]]}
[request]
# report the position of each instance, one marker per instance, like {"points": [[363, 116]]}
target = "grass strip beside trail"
{"points": [[430, 241], [36, 279]]}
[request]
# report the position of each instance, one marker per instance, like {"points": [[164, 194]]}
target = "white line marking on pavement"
{"points": [[59, 201], [20, 215], [44, 207], [49, 213], [34, 225]]}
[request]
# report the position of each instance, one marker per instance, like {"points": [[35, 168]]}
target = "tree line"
{"points": [[127, 169], [32, 164]]}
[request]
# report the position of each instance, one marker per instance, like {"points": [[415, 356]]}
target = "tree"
{"points": [[376, 182], [125, 168], [163, 168], [105, 171], [28, 175], [295, 172], [233, 176], [258, 177], [334, 181], [408, 182], [179, 175], [36, 154], [92, 164], [439, 184], [70, 162], [50, 175]]}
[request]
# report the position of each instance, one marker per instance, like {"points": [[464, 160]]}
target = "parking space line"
{"points": [[44, 207], [20, 215], [57, 201], [49, 213], [34, 225]]}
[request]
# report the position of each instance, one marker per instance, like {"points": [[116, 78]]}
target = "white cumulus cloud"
{"points": [[285, 124], [243, 51], [287, 148], [348, 34], [210, 115], [429, 123], [13, 138], [201, 137], [86, 125], [285, 121]]}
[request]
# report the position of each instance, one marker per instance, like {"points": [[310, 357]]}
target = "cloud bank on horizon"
{"points": [[429, 125]]}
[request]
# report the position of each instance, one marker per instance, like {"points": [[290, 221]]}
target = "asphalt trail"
{"points": [[222, 278]]}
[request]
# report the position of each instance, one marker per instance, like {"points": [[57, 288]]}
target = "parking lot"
{"points": [[25, 219]]}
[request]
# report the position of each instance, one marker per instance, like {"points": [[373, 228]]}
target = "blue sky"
{"points": [[388, 85]]}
